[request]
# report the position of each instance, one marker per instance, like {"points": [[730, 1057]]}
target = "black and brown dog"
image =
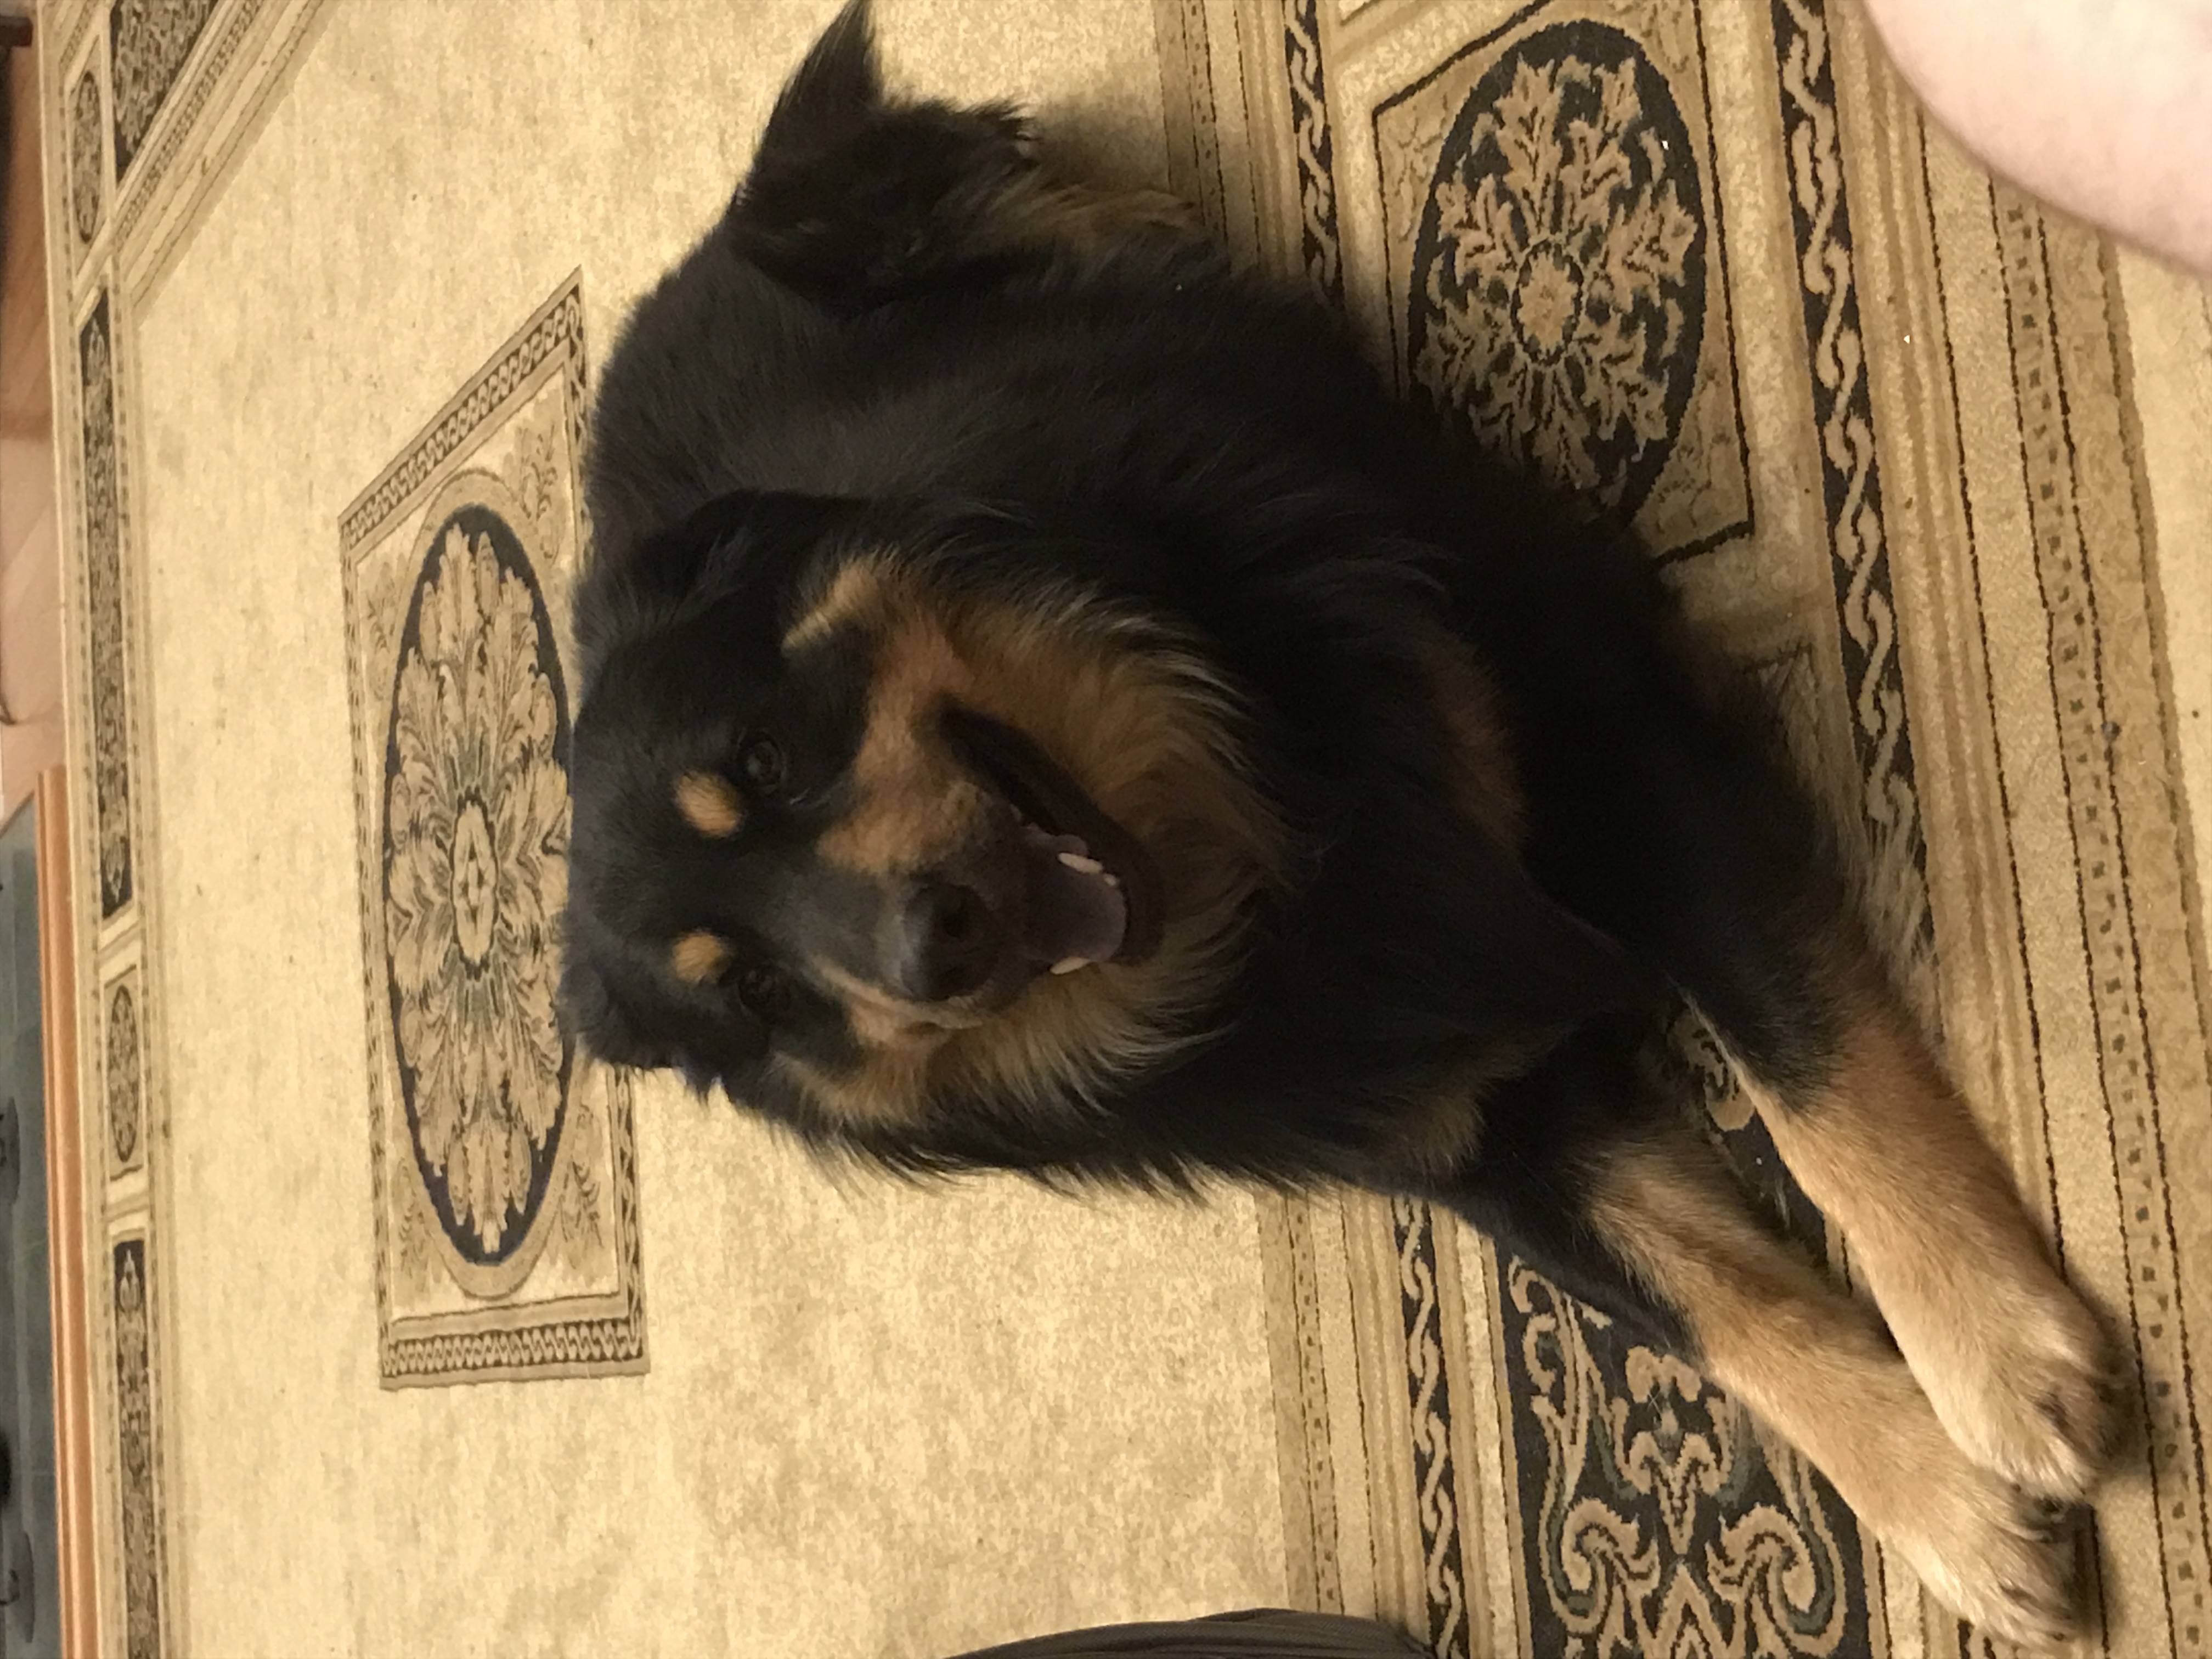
{"points": [[1045, 707]]}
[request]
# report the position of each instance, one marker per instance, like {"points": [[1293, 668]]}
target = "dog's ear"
{"points": [[748, 539], [733, 536], [836, 92]]}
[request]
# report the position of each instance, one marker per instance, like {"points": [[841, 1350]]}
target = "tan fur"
{"points": [[2016, 1365], [1430, 1138], [914, 803], [699, 958], [1814, 1366], [853, 596], [1485, 787], [879, 1019], [1140, 726], [710, 804], [882, 1095]]}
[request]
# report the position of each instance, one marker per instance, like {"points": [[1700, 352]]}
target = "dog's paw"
{"points": [[2032, 1392], [2007, 1562]]}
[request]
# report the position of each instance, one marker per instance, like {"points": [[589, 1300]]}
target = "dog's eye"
{"points": [[763, 990], [762, 762]]}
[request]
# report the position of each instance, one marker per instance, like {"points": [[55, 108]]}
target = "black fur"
{"points": [[853, 353]]}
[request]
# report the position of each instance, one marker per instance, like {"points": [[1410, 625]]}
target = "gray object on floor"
{"points": [[1260, 1633]]}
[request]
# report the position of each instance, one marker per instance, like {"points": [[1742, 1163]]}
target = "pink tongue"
{"points": [[1073, 915]]}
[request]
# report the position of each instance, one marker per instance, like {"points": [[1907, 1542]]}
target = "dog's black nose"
{"points": [[948, 942]]}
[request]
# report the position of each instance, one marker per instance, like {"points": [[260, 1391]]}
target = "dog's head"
{"points": [[867, 820]]}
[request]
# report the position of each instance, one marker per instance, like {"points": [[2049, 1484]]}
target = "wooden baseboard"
{"points": [[73, 1461]]}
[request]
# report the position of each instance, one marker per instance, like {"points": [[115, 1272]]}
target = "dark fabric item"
{"points": [[1259, 1633]]}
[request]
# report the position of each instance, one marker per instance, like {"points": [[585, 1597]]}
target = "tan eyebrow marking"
{"points": [[699, 958], [710, 804]]}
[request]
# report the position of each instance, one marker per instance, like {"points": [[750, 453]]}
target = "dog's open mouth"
{"points": [[1093, 893]]}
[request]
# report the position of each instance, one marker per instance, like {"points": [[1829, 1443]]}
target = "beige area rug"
{"points": [[1933, 459], [328, 278]]}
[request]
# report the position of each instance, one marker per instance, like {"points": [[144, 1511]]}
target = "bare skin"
{"points": [[2100, 107]]}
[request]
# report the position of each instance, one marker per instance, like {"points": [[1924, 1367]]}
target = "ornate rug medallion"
{"points": [[506, 1211], [1559, 273]]}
